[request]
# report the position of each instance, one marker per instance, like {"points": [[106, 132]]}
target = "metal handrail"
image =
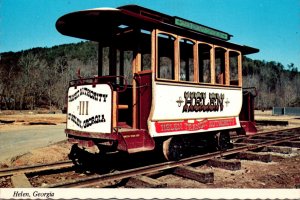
{"points": [[96, 79]]}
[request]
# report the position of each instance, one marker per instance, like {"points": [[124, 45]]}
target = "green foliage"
{"points": [[39, 77], [276, 85]]}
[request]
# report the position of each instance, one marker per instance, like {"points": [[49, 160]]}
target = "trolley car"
{"points": [[163, 82]]}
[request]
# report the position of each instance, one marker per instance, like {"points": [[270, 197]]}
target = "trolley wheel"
{"points": [[173, 148], [76, 156], [223, 140]]}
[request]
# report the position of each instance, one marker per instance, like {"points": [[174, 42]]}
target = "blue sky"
{"points": [[273, 26]]}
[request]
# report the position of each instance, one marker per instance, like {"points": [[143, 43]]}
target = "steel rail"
{"points": [[92, 181], [263, 133], [35, 168]]}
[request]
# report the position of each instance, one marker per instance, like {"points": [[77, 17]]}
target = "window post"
{"points": [[196, 62], [212, 65], [176, 59], [227, 76], [240, 75]]}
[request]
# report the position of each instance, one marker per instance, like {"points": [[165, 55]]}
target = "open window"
{"points": [[145, 49], [103, 61], [204, 63], [220, 65], [234, 67], [165, 56], [186, 60], [116, 62], [126, 53]]}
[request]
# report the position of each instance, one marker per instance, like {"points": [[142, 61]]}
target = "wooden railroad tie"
{"points": [[192, 173], [278, 149], [144, 182], [255, 156], [20, 181], [232, 165], [295, 144]]}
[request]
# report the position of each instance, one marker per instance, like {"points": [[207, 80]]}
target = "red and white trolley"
{"points": [[162, 82]]}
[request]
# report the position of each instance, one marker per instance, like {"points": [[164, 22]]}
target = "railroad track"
{"points": [[243, 144], [17, 176], [281, 131], [282, 136], [36, 168]]}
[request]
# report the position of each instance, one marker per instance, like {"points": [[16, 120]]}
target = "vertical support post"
{"points": [[115, 110], [176, 59], [137, 60], [196, 62], [154, 51], [240, 75], [227, 70], [212, 65]]}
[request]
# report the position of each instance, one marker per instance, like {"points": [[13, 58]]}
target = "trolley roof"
{"points": [[99, 24]]}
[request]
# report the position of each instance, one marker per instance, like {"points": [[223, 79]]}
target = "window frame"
{"points": [[175, 54], [196, 60], [179, 57]]}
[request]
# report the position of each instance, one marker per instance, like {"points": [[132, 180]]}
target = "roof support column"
{"points": [[176, 58], [137, 60], [227, 76], [212, 66], [240, 72], [196, 62]]}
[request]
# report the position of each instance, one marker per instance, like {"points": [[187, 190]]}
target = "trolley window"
{"points": [[220, 65], [186, 60], [204, 63], [120, 58], [233, 67], [165, 56], [104, 55], [145, 47]]}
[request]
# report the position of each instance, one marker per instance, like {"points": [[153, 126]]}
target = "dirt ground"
{"points": [[17, 119], [280, 173], [21, 120]]}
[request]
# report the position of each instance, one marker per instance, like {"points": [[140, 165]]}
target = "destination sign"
{"points": [[201, 29]]}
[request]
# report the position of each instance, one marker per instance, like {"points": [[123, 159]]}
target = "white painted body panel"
{"points": [[170, 118], [90, 108]]}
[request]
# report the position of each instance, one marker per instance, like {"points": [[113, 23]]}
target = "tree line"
{"points": [[39, 77], [277, 86]]}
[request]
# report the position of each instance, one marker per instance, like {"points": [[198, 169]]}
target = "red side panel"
{"points": [[135, 141], [248, 127], [247, 114], [144, 95], [139, 139]]}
